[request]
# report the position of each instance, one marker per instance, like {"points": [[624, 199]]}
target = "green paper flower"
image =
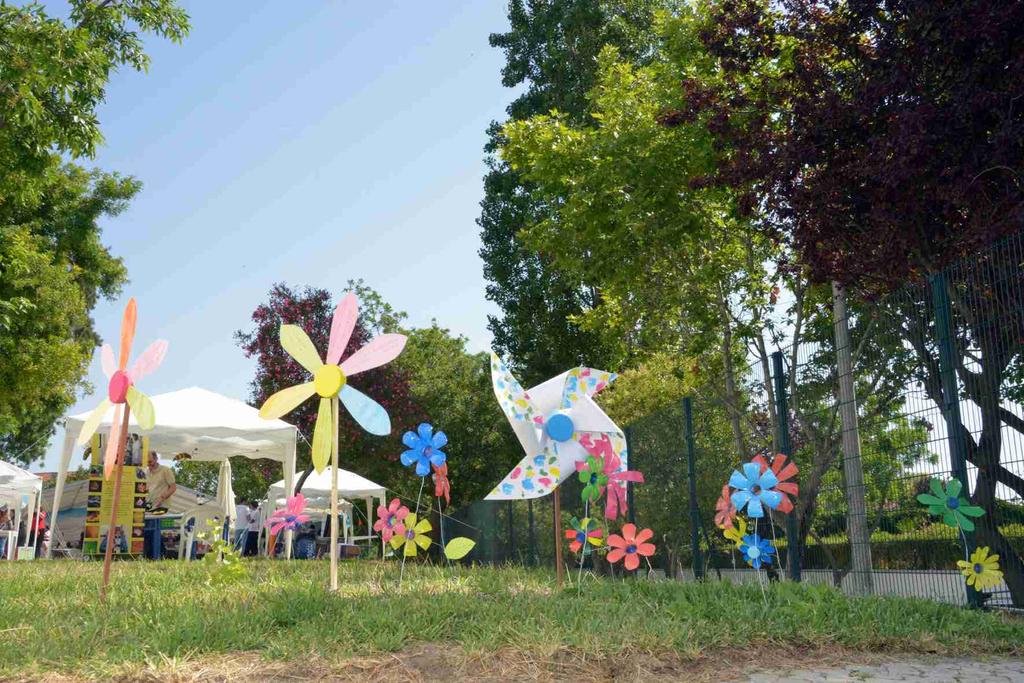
{"points": [[593, 478], [954, 510]]}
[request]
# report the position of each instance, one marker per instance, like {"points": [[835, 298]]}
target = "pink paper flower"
{"points": [[290, 518], [725, 511], [630, 545], [391, 520]]}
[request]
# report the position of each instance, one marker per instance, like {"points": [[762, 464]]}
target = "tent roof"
{"points": [[350, 485], [15, 481], [207, 426]]}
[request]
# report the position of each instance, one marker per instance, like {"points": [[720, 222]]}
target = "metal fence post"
{"points": [[691, 476], [951, 399], [782, 413]]}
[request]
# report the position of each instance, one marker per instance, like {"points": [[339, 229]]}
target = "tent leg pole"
{"points": [[122, 441], [334, 495]]}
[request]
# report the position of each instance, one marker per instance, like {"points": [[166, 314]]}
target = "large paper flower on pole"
{"points": [[121, 388], [954, 510], [784, 472], [982, 571], [631, 545], [754, 489], [550, 420], [331, 379], [424, 449]]}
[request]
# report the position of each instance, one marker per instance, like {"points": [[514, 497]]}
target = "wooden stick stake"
{"points": [[108, 556], [558, 536], [334, 494]]}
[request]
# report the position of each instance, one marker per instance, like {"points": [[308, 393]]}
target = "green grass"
{"points": [[50, 619]]}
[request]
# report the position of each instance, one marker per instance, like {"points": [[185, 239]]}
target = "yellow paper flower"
{"points": [[982, 571], [737, 532], [415, 535]]}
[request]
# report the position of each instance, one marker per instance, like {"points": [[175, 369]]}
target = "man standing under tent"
{"points": [[241, 525], [251, 547], [159, 484]]}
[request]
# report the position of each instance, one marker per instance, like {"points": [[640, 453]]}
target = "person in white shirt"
{"points": [[241, 525], [252, 541]]}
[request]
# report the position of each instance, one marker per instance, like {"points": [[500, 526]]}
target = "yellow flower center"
{"points": [[329, 380]]}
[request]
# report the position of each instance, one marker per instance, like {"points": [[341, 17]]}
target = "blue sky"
{"points": [[308, 143]]}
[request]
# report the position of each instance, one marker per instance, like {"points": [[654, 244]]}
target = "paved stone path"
{"points": [[916, 671]]}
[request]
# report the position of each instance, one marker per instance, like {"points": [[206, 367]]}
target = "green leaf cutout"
{"points": [[458, 548]]}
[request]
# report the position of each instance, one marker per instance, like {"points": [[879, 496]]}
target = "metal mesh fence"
{"points": [[938, 377]]}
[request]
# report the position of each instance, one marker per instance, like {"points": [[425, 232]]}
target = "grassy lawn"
{"points": [[164, 618]]}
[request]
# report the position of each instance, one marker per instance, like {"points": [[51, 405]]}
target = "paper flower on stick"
{"points": [[954, 510], [784, 472], [603, 447], [757, 551], [391, 520], [424, 449], [584, 534], [290, 518], [442, 487], [754, 489], [593, 478], [736, 532], [630, 545], [725, 511], [121, 387], [982, 571], [415, 534], [331, 379], [550, 420]]}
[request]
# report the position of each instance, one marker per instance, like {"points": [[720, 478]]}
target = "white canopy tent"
{"points": [[317, 491], [207, 427], [15, 485]]}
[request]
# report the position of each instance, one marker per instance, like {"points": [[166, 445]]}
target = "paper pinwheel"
{"points": [[725, 511], [630, 545], [391, 520], [442, 487], [549, 422], [754, 489], [330, 380], [415, 534], [784, 473], [612, 471], [948, 504], [290, 518], [982, 571], [424, 449], [121, 388], [737, 532], [757, 551], [584, 534]]}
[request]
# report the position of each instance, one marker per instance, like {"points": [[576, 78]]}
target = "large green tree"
{"points": [[53, 263], [551, 48]]}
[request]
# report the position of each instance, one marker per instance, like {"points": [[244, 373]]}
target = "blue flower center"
{"points": [[427, 451], [754, 552], [952, 503], [755, 489], [978, 568], [391, 520], [630, 549], [560, 427], [580, 536], [410, 534], [290, 519], [593, 478]]}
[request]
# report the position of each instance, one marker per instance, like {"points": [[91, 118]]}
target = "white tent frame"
{"points": [[15, 484], [351, 487], [208, 427]]}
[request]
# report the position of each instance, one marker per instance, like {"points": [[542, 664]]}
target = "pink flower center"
{"points": [[117, 390]]}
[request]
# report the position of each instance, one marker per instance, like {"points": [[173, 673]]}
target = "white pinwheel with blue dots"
{"points": [[754, 489], [552, 421]]}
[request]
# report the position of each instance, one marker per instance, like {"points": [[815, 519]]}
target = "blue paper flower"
{"points": [[424, 449], [756, 551], [754, 489]]}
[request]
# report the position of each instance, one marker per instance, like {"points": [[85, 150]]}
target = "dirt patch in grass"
{"points": [[436, 662]]}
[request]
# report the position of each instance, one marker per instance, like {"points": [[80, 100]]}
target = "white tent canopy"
{"points": [[204, 425], [15, 485], [317, 490]]}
